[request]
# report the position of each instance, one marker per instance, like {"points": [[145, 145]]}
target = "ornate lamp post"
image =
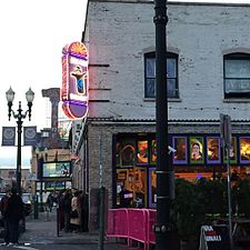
{"points": [[19, 116]]}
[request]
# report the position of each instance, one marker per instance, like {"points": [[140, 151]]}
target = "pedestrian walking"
{"points": [[84, 212], [67, 209], [75, 219], [3, 208], [14, 213], [50, 202]]}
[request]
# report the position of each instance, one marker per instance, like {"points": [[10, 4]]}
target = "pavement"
{"points": [[44, 231]]}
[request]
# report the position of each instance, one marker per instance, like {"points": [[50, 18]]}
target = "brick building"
{"points": [[208, 59]]}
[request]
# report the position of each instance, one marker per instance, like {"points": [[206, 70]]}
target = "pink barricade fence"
{"points": [[117, 225], [151, 222], [133, 224], [138, 226]]}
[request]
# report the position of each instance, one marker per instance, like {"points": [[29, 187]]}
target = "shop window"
{"points": [[131, 187], [244, 149], [197, 156], [125, 152], [237, 75], [233, 152], [152, 188], [150, 76], [180, 144], [142, 152], [124, 192], [196, 150], [153, 153], [140, 187], [213, 150]]}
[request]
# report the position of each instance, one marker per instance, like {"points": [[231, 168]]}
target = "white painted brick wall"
{"points": [[120, 31]]}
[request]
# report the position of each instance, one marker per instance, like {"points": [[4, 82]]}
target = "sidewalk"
{"points": [[44, 231]]}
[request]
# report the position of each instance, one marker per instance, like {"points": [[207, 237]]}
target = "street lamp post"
{"points": [[19, 116], [164, 171]]}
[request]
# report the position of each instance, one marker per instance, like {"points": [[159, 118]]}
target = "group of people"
{"points": [[72, 208], [12, 211], [73, 211]]}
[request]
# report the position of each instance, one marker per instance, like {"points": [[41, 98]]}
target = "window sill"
{"points": [[169, 100], [236, 100]]}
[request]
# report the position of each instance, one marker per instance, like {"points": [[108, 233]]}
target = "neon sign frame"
{"points": [[75, 81]]}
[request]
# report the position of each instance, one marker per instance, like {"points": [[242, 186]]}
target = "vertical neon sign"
{"points": [[74, 93]]}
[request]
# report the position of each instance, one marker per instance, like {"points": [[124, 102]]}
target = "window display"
{"points": [[153, 152], [244, 149], [180, 144], [233, 152], [131, 186], [142, 152], [152, 188], [196, 150], [213, 150], [196, 156], [125, 153]]}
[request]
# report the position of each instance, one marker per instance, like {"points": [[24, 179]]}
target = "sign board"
{"points": [[215, 237], [225, 124], [8, 136], [74, 93], [59, 169]]}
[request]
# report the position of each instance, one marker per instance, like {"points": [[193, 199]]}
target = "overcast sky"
{"points": [[33, 33]]}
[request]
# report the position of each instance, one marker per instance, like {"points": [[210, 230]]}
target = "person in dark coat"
{"points": [[3, 208], [66, 210], [14, 214], [84, 212], [50, 202]]}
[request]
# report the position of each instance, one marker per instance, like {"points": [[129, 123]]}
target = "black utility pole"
{"points": [[102, 202], [165, 177], [226, 137]]}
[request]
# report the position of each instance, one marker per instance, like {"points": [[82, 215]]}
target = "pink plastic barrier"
{"points": [[117, 225], [151, 222], [138, 226], [133, 224]]}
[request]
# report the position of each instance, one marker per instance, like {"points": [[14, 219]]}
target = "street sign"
{"points": [[226, 134], [214, 237]]}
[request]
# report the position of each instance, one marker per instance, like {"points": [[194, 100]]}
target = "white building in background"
{"points": [[208, 58], [8, 178]]}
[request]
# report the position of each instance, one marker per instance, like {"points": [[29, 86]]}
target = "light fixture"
{"points": [[19, 115]]}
